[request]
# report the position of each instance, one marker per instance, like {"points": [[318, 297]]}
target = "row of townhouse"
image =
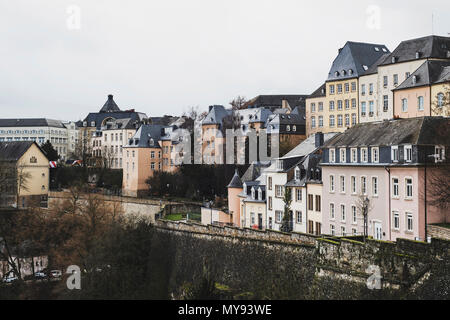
{"points": [[62, 135], [378, 168], [369, 83]]}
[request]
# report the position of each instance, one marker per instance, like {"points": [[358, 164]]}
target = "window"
{"points": [[347, 87], [407, 74], [298, 195], [342, 184], [332, 123], [313, 122], [310, 202], [385, 103], [318, 203], [353, 86], [340, 120], [353, 183], [396, 220], [364, 185], [270, 203], [152, 166], [371, 108], [270, 183], [409, 222], [339, 104], [279, 191], [278, 216], [395, 79], [354, 215], [320, 106], [332, 230], [408, 153], [332, 211], [313, 107], [363, 89], [339, 88], [375, 155], [299, 217], [332, 89], [343, 213], [363, 109], [364, 156], [343, 231], [371, 88], [405, 105], [332, 156], [385, 81], [394, 154], [347, 120], [152, 155], [353, 103], [420, 103], [439, 151], [395, 189], [331, 183], [342, 153], [375, 186], [353, 119], [331, 105], [320, 121], [409, 188], [347, 104]]}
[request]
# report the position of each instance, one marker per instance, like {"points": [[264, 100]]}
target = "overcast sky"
{"points": [[60, 59]]}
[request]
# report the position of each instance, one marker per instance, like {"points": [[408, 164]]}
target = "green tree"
{"points": [[51, 153], [286, 224]]}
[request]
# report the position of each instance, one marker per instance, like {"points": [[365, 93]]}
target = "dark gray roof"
{"points": [[98, 118], [40, 122], [110, 105], [374, 67], [428, 47], [320, 92], [354, 59], [276, 101], [430, 72], [120, 124], [236, 182], [415, 131], [13, 151], [147, 136], [254, 171]]}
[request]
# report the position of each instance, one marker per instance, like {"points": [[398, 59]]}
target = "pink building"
{"points": [[380, 167]]}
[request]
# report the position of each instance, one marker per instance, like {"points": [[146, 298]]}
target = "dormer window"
{"points": [[294, 128], [394, 60], [92, 123], [297, 174], [332, 156], [253, 194], [244, 186], [336, 74], [260, 197], [288, 128], [350, 72], [417, 55], [344, 72], [414, 79], [280, 164]]}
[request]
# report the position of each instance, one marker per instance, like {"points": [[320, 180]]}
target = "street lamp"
{"points": [[365, 214]]}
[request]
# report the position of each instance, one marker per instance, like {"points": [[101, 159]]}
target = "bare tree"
{"points": [[238, 103], [439, 186], [363, 206], [441, 102]]}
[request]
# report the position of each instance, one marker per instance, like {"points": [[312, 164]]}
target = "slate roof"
{"points": [[414, 131], [147, 132], [318, 93], [276, 101], [235, 182], [373, 69], [39, 122], [307, 146], [216, 115], [430, 72], [429, 47], [13, 151], [121, 124], [254, 171], [354, 59], [110, 105]]}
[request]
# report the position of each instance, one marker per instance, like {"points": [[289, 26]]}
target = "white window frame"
{"points": [[354, 215], [409, 197], [343, 213], [395, 196], [354, 185], [342, 155], [375, 191], [332, 155], [407, 151], [395, 220], [364, 152], [342, 184], [332, 183], [332, 211], [409, 217], [354, 155], [375, 150], [395, 156], [363, 192]]}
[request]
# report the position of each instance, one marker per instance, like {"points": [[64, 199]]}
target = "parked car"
{"points": [[56, 274], [40, 275], [10, 279]]}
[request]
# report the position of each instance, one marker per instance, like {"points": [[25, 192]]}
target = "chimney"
{"points": [[319, 139]]}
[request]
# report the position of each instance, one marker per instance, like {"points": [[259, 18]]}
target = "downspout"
{"points": [[390, 218]]}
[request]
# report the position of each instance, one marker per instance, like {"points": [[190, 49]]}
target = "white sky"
{"points": [[160, 57]]}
